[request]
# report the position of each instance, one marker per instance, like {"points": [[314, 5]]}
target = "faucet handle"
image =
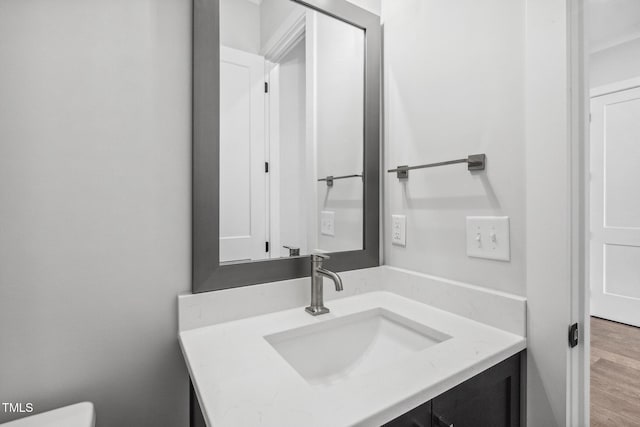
{"points": [[293, 251], [319, 258]]}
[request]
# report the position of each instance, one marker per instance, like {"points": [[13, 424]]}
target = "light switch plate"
{"points": [[327, 223], [399, 230], [488, 237]]}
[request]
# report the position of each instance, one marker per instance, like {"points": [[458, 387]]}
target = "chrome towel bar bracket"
{"points": [[331, 178], [475, 162]]}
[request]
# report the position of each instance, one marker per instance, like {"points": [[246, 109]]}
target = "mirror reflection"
{"points": [[291, 131]]}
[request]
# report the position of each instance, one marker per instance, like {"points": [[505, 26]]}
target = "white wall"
{"points": [[293, 221], [95, 206], [373, 6], [620, 62], [240, 25], [554, 165], [496, 77], [338, 70], [273, 13], [454, 82]]}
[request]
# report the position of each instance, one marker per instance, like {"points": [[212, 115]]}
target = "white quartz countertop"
{"points": [[241, 380]]}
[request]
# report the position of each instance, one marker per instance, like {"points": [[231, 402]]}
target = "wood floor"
{"points": [[615, 374]]}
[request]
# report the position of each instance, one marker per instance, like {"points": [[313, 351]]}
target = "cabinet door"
{"points": [[490, 399], [196, 419], [418, 417]]}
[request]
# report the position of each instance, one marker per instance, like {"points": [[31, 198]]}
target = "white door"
{"points": [[243, 219], [615, 206]]}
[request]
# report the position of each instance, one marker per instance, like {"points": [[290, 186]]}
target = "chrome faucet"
{"points": [[317, 273]]}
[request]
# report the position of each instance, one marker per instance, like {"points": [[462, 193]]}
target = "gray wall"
{"points": [[95, 206]]}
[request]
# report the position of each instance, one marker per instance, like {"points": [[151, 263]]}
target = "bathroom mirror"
{"points": [[291, 131], [286, 139]]}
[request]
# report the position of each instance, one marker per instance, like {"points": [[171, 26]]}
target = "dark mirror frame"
{"points": [[208, 274]]}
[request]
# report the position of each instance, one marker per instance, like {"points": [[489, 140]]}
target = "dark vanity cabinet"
{"points": [[417, 417], [490, 399]]}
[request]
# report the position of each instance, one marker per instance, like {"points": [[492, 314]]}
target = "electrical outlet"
{"points": [[327, 223], [399, 230], [488, 237]]}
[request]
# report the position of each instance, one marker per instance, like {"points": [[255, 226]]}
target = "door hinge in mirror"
{"points": [[266, 167], [574, 335], [266, 87], [266, 246]]}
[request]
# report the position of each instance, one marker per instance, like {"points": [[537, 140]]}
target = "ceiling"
{"points": [[612, 22]]}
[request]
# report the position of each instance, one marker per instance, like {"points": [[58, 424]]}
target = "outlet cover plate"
{"points": [[327, 223], [399, 230]]}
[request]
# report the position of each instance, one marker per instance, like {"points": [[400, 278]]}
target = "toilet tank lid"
{"points": [[78, 415]]}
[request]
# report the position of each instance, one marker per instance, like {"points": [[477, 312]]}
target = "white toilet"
{"points": [[78, 415]]}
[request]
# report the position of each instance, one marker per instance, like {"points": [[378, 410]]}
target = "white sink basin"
{"points": [[337, 349]]}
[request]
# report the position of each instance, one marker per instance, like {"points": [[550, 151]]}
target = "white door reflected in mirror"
{"points": [[291, 131]]}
